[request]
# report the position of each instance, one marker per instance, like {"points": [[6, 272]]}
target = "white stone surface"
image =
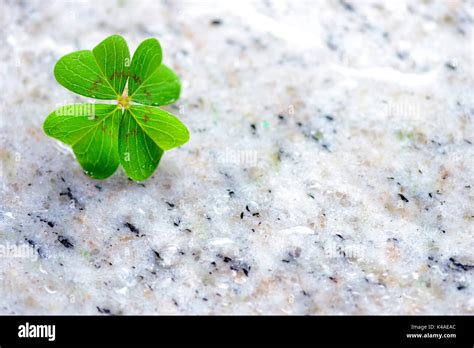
{"points": [[352, 104]]}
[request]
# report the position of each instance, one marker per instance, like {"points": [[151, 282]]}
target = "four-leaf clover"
{"points": [[103, 136]]}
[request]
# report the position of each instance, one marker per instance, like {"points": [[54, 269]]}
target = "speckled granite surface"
{"points": [[330, 166]]}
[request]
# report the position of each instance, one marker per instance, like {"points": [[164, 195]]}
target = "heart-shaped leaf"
{"points": [[161, 88], [164, 128], [101, 73], [139, 154], [152, 83], [92, 130]]}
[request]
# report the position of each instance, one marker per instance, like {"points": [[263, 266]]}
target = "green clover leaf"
{"points": [[102, 136]]}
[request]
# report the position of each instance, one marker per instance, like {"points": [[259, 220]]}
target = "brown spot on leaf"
{"points": [[122, 74], [136, 78], [95, 85]]}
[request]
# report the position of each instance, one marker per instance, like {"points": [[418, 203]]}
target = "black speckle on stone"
{"points": [[231, 193], [50, 223], [98, 187], [247, 208], [460, 266], [254, 128], [347, 6], [240, 266], [461, 287], [65, 242], [177, 222], [171, 205], [236, 265], [41, 253], [38, 249], [225, 174], [157, 255], [138, 183], [402, 55], [292, 255], [68, 193], [450, 66], [103, 310], [216, 22], [204, 299], [403, 198], [329, 118], [132, 228], [281, 117], [242, 215]]}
